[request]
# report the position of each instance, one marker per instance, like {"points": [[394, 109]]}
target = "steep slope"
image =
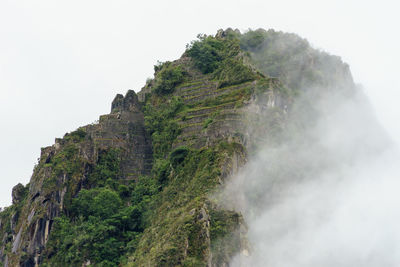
{"points": [[136, 189]]}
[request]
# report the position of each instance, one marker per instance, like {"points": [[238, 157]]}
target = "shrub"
{"points": [[67, 161], [220, 56], [168, 78], [161, 170], [101, 228], [178, 155], [107, 167], [123, 191], [99, 202], [76, 136], [161, 125], [233, 71], [207, 52]]}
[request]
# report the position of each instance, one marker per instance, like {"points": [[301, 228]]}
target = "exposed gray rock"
{"points": [[14, 221], [17, 242], [128, 103], [117, 103], [30, 217], [17, 193], [37, 231], [131, 101]]}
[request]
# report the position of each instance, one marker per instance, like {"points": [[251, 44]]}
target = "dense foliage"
{"points": [[178, 155], [102, 227], [106, 169], [221, 57], [168, 77], [232, 71], [76, 136], [67, 161], [104, 221], [161, 125], [177, 218], [207, 52]]}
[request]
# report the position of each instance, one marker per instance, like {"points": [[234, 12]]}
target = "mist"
{"points": [[327, 193]]}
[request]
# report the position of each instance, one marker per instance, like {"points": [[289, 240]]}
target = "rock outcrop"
{"points": [[17, 193]]}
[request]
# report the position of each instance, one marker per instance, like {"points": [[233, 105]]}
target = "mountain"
{"points": [[142, 186]]}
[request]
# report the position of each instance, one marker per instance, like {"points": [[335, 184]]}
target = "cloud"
{"points": [[327, 195]]}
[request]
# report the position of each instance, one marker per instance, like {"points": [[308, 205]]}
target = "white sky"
{"points": [[62, 62]]}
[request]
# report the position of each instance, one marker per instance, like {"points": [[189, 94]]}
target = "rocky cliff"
{"points": [[136, 188]]}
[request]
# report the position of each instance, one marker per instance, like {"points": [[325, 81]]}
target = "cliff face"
{"points": [[136, 187], [65, 168]]}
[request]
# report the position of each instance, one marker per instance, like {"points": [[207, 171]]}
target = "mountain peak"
{"points": [[136, 188]]}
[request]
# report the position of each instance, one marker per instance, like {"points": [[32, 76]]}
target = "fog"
{"points": [[327, 194]]}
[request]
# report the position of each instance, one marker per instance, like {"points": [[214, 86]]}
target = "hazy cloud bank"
{"points": [[325, 196]]}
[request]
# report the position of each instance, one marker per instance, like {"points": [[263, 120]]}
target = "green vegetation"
{"points": [[107, 167], [66, 161], [207, 122], [106, 219], [110, 220], [238, 96], [225, 241], [76, 136], [104, 222], [144, 222], [183, 177], [161, 125], [221, 57], [168, 77], [210, 119], [178, 155], [232, 71], [101, 227], [176, 218], [207, 53]]}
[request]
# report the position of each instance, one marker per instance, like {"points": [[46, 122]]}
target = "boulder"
{"points": [[18, 193]]}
